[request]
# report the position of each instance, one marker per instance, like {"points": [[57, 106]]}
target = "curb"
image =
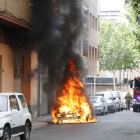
{"points": [[38, 126]]}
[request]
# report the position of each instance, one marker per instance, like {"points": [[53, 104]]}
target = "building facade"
{"points": [[15, 64]]}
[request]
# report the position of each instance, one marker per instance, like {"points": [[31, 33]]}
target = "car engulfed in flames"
{"points": [[73, 105]]}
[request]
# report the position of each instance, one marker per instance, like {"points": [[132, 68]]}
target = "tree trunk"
{"points": [[114, 81]]}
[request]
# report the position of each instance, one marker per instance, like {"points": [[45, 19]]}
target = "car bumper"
{"points": [[110, 107], [1, 133], [97, 111]]}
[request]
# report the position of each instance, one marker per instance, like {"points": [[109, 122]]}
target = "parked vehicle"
{"points": [[15, 119], [99, 104], [118, 100], [109, 99]]}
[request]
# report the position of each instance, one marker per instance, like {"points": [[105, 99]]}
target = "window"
{"points": [[3, 103], [33, 3], [96, 23], [89, 52], [79, 47], [92, 53], [85, 48], [13, 102], [93, 21], [22, 100]]}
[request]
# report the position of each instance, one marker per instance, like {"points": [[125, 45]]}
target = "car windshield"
{"points": [[108, 96], [115, 94], [124, 94], [95, 99], [3, 103]]}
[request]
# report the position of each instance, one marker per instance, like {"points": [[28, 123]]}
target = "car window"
{"points": [[115, 94], [3, 103], [95, 99], [22, 100], [13, 102]]}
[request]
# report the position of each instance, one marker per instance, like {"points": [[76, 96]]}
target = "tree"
{"points": [[117, 48], [133, 15]]}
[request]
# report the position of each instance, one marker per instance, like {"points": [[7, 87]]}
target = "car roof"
{"points": [[10, 93], [103, 92], [96, 96], [115, 91]]}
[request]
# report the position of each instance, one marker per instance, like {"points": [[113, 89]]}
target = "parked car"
{"points": [[99, 104], [109, 99], [15, 119], [118, 100]]}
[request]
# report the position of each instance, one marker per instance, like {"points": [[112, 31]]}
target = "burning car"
{"points": [[72, 105]]}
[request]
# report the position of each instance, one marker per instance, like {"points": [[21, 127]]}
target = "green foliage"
{"points": [[133, 15], [117, 47]]}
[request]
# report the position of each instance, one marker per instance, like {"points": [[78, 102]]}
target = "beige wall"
{"points": [[18, 8], [7, 68]]}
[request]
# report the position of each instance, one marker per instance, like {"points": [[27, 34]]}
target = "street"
{"points": [[124, 125]]}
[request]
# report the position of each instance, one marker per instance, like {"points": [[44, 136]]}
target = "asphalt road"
{"points": [[123, 125]]}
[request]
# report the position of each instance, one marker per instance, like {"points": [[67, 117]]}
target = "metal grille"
{"points": [[100, 80]]}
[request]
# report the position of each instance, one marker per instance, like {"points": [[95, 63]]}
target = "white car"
{"points": [[15, 119]]}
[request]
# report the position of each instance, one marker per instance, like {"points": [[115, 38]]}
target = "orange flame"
{"points": [[72, 105]]}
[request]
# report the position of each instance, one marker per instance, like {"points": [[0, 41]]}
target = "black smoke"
{"points": [[54, 35]]}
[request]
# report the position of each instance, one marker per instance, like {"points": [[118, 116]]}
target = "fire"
{"points": [[72, 105]]}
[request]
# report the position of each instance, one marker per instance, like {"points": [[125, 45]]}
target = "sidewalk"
{"points": [[41, 121]]}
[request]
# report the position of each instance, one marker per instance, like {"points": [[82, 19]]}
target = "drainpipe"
{"points": [[38, 95]]}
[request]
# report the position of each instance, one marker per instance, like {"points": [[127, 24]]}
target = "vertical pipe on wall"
{"points": [[38, 95]]}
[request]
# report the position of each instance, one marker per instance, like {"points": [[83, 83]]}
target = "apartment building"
{"points": [[15, 64], [112, 10], [105, 81], [88, 42]]}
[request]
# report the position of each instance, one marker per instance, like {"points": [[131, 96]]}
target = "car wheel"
{"points": [[113, 110], [26, 135], [103, 113], [106, 111], [135, 109], [119, 108], [6, 134]]}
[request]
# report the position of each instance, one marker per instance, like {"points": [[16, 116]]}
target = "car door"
{"points": [[103, 104], [15, 114]]}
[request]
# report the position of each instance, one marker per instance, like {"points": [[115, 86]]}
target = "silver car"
{"points": [[99, 104], [109, 99]]}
